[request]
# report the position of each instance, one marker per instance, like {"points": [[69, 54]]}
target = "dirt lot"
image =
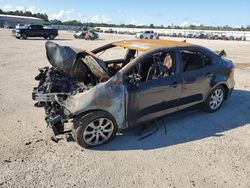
{"points": [[195, 150]]}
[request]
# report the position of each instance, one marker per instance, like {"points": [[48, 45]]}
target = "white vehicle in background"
{"points": [[147, 35]]}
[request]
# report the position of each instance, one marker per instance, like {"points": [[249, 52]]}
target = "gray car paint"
{"points": [[126, 104], [191, 87]]}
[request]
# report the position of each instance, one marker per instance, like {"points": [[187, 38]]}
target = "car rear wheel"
{"points": [[94, 129], [51, 36], [215, 99], [141, 37], [151, 36], [24, 36]]}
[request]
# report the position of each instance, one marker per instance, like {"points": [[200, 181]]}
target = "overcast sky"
{"points": [[159, 12]]}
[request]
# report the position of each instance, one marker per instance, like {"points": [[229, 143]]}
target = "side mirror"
{"points": [[223, 53]]}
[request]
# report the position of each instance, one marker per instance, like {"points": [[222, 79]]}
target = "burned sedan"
{"points": [[151, 79]]}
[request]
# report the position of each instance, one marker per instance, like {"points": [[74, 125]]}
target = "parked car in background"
{"points": [[91, 35], [102, 96], [110, 31], [162, 34], [35, 31], [80, 35], [190, 35], [147, 35]]}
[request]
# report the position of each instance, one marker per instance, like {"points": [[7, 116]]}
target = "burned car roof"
{"points": [[145, 44]]}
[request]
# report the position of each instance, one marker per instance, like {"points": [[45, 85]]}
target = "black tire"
{"points": [[141, 36], [76, 125], [83, 125], [151, 36], [51, 37], [24, 36], [209, 105]]}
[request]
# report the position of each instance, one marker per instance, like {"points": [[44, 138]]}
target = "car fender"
{"points": [[108, 96], [214, 83]]}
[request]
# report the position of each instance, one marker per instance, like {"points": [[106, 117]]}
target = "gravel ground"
{"points": [[194, 150]]}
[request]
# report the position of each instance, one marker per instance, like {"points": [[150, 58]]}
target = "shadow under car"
{"points": [[190, 126]]}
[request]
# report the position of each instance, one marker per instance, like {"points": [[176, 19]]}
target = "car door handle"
{"points": [[174, 84], [209, 75]]}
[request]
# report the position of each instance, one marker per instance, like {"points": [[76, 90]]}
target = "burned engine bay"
{"points": [[72, 72]]}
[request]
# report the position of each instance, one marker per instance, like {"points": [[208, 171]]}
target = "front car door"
{"points": [[40, 31], [34, 31], [154, 96], [197, 73], [147, 34]]}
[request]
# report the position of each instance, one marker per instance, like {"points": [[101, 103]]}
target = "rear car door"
{"points": [[197, 73], [153, 98]]}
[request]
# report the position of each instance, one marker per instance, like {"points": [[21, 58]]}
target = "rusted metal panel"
{"points": [[145, 45]]}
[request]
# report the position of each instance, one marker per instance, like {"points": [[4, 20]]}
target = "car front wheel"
{"points": [[215, 99], [94, 129], [51, 36], [24, 36]]}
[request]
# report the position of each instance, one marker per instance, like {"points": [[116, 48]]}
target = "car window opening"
{"points": [[193, 60], [120, 61], [157, 66]]}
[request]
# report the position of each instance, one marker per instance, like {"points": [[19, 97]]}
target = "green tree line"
{"points": [[44, 16], [150, 26]]}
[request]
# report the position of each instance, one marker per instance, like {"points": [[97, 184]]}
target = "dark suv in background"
{"points": [[35, 31]]}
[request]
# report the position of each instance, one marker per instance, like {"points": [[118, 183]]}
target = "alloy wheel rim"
{"points": [[98, 131], [216, 99]]}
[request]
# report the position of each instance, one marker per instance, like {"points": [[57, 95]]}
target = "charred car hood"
{"points": [[65, 59]]}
